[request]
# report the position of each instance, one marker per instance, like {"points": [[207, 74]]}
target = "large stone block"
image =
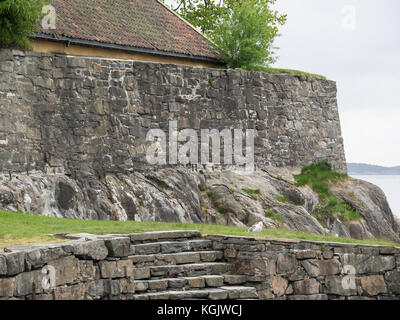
{"points": [[86, 270], [39, 257], [127, 285], [393, 281], [74, 292], [286, 263], [15, 262], [365, 264], [310, 286], [27, 281], [116, 269], [196, 282], [307, 254], [7, 287], [255, 267], [337, 286], [316, 268], [90, 250], [3, 266], [158, 285], [101, 288], [141, 273], [148, 248], [373, 285], [172, 247], [279, 286], [66, 270], [120, 247]]}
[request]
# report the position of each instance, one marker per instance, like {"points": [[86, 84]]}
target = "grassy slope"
{"points": [[18, 228]]}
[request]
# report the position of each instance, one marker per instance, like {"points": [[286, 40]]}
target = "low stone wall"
{"points": [[303, 270], [118, 267]]}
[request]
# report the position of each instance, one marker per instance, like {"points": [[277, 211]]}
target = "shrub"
{"points": [[18, 20], [245, 34], [318, 176]]}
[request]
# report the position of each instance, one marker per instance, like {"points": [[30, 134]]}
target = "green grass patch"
{"points": [[19, 228], [252, 192], [318, 176], [281, 199], [222, 210], [203, 205], [291, 71], [272, 214]]}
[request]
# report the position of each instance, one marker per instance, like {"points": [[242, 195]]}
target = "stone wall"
{"points": [[183, 265], [71, 115], [304, 270]]}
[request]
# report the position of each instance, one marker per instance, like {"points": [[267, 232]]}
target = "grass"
{"points": [[272, 214], [252, 192], [319, 176], [281, 199], [279, 70], [291, 71], [19, 228]]}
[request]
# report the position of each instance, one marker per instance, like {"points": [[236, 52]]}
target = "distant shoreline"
{"points": [[363, 169]]}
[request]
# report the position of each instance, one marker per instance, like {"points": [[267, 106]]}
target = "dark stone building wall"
{"points": [[72, 114]]}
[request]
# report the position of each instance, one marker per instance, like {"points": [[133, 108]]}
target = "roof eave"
{"points": [[93, 43]]}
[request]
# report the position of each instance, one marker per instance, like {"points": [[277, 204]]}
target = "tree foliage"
{"points": [[243, 30], [18, 20]]}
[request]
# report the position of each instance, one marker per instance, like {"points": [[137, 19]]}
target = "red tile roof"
{"points": [[144, 24]]}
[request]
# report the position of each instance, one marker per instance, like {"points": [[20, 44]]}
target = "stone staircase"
{"points": [[176, 265]]}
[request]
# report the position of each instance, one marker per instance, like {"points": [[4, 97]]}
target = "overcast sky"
{"points": [[357, 44]]}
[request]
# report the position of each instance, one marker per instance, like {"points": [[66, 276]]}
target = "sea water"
{"points": [[390, 186]]}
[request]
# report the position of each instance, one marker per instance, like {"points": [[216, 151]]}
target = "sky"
{"points": [[357, 44]]}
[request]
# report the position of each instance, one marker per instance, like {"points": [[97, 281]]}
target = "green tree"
{"points": [[18, 20], [245, 34], [243, 30]]}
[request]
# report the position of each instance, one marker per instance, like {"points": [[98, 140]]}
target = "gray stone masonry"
{"points": [[127, 267]]}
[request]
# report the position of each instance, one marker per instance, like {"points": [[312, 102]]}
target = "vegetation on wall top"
{"points": [[243, 30]]}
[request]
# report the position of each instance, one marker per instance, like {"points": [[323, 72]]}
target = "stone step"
{"points": [[175, 235], [166, 247], [223, 293], [176, 258], [184, 270], [178, 284], [233, 279]]}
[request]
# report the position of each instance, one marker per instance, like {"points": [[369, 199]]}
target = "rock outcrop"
{"points": [[183, 195], [73, 143]]}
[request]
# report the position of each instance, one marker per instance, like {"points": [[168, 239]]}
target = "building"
{"points": [[145, 30]]}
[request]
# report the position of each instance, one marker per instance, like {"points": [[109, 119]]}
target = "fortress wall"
{"points": [[69, 115]]}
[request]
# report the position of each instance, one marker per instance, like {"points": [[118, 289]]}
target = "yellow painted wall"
{"points": [[78, 50]]}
